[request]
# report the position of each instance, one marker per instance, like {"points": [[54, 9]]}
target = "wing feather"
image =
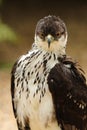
{"points": [[69, 91], [13, 86]]}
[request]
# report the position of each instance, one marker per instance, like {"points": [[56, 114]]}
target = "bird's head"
{"points": [[51, 34]]}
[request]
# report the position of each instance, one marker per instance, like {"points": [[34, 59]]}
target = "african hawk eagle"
{"points": [[49, 90]]}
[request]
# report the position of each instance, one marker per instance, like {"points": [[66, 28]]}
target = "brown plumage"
{"points": [[69, 91]]}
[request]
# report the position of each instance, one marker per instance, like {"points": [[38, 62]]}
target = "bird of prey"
{"points": [[48, 89]]}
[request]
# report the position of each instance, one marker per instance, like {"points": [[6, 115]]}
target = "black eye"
{"points": [[41, 35], [58, 34]]}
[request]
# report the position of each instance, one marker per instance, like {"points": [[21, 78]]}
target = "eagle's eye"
{"points": [[41, 35], [58, 34]]}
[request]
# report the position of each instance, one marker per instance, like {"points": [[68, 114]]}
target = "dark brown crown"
{"points": [[50, 25]]}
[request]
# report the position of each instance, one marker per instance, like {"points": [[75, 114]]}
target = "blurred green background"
{"points": [[18, 19]]}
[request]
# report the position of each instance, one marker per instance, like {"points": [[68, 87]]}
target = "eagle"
{"points": [[48, 89]]}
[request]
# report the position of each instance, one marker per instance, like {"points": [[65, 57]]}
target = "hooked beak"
{"points": [[49, 39]]}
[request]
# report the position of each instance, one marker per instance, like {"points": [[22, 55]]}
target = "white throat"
{"points": [[57, 47]]}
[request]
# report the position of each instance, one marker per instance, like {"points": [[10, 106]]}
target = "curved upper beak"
{"points": [[49, 39]]}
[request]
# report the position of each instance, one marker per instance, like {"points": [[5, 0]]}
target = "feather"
{"points": [[69, 91]]}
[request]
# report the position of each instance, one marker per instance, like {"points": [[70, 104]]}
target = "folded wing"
{"points": [[69, 91]]}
